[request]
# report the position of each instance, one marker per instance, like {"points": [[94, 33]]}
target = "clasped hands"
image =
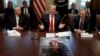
{"points": [[17, 28]]}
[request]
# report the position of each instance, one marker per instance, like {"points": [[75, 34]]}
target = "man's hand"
{"points": [[61, 26], [41, 27]]}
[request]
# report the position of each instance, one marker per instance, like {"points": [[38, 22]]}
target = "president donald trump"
{"points": [[51, 20]]}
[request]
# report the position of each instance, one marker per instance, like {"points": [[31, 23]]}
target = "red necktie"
{"points": [[51, 24]]}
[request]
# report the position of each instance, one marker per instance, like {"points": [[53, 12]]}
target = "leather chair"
{"points": [[98, 20], [71, 18]]}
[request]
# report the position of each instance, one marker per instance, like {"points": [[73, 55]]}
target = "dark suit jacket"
{"points": [[92, 19], [70, 10], [22, 10], [1, 23], [46, 21], [23, 22], [76, 22], [7, 13]]}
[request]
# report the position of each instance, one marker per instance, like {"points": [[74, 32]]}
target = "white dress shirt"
{"points": [[17, 20], [26, 11]]}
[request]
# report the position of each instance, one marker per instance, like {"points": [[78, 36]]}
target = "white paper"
{"points": [[13, 33], [50, 35], [86, 35], [63, 34]]}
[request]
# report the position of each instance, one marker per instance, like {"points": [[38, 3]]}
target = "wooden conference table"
{"points": [[28, 44]]}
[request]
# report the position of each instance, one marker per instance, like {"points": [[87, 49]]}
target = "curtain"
{"points": [[1, 6]]}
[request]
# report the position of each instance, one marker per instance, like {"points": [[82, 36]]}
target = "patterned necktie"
{"points": [[81, 24]]}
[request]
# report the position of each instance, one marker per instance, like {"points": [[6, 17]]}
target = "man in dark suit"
{"points": [[25, 9], [18, 21], [80, 23], [62, 7], [51, 20], [91, 13], [7, 12], [73, 9]]}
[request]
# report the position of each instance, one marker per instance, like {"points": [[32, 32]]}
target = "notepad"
{"points": [[13, 33]]}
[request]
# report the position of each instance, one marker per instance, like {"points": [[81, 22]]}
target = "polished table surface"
{"points": [[28, 44]]}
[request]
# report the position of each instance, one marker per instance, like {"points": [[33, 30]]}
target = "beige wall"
{"points": [[49, 2], [19, 3]]}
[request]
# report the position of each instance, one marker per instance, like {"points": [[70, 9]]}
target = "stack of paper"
{"points": [[59, 34], [63, 34], [86, 35], [50, 35], [13, 33]]}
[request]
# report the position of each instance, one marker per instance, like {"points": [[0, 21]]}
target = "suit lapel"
{"points": [[13, 19], [85, 21], [78, 21], [20, 20], [56, 18], [46, 17]]}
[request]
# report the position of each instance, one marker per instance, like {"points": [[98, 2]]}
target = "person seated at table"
{"points": [[55, 49], [17, 21], [81, 23], [51, 20], [73, 9]]}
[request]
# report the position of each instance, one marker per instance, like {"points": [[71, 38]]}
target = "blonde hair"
{"points": [[52, 6]]}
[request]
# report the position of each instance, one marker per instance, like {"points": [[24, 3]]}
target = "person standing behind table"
{"points": [[81, 23], [91, 13], [7, 12], [18, 21], [73, 9], [25, 9], [51, 20], [62, 7]]}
